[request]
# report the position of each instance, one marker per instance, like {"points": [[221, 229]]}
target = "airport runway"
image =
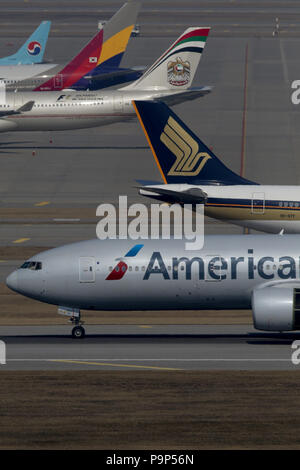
{"points": [[145, 347]]}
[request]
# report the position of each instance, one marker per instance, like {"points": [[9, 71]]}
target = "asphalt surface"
{"points": [[72, 170], [176, 347], [162, 17]]}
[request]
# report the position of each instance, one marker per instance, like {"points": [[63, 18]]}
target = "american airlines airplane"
{"points": [[96, 66], [191, 173], [169, 78], [261, 272], [33, 49]]}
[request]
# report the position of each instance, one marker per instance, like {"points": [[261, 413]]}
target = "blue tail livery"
{"points": [[32, 51], [180, 155]]}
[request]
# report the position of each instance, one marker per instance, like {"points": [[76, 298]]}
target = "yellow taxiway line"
{"points": [[43, 203], [134, 366], [21, 240]]}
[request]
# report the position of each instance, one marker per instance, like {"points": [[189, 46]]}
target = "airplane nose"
{"points": [[12, 281]]}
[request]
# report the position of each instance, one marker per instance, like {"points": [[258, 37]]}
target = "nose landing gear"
{"points": [[78, 332]]}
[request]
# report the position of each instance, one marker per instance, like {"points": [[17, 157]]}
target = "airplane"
{"points": [[97, 65], [32, 51], [192, 174], [258, 272], [169, 78]]}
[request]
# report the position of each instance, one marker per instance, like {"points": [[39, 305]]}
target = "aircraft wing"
{"points": [[190, 196], [185, 95], [23, 109]]}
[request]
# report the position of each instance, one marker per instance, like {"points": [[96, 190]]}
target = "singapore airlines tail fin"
{"points": [[32, 51], [180, 155], [176, 68], [103, 54]]}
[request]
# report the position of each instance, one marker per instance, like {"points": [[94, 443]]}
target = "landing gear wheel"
{"points": [[78, 332]]}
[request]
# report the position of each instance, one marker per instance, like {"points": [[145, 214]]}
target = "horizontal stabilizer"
{"points": [[190, 196], [25, 108], [186, 95], [110, 72], [147, 182], [111, 76]]}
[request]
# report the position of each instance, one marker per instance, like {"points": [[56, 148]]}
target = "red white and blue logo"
{"points": [[34, 48], [120, 269]]}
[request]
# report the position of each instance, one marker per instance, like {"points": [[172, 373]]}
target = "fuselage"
{"points": [[160, 274], [45, 77], [269, 208], [27, 77], [73, 110]]}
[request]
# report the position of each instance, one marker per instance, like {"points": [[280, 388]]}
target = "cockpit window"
{"points": [[33, 265], [24, 265]]}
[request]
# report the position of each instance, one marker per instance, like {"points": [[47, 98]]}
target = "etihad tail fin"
{"points": [[176, 68], [180, 155], [102, 54], [32, 51]]}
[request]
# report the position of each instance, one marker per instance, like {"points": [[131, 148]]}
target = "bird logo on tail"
{"points": [[189, 161]]}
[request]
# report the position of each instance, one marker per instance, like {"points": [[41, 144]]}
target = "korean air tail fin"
{"points": [[180, 155], [102, 54], [32, 51], [176, 68]]}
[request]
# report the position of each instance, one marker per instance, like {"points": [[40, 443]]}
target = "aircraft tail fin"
{"points": [[176, 68], [32, 51], [116, 34], [102, 54], [180, 155]]}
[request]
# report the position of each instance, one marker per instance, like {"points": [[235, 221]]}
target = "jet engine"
{"points": [[7, 125], [276, 308]]}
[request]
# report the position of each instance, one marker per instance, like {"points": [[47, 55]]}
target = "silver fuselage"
{"points": [[73, 110], [27, 77], [162, 275]]}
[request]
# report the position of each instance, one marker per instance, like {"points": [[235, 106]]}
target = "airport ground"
{"points": [[50, 186], [152, 410]]}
